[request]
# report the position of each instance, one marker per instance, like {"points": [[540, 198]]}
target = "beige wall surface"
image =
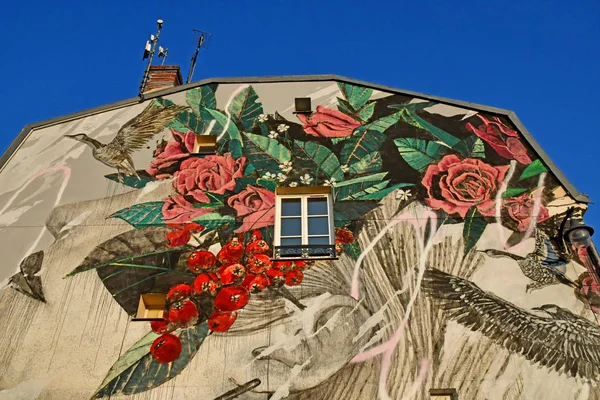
{"points": [[447, 272]]}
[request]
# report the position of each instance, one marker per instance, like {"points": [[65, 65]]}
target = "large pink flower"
{"points": [[456, 185], [168, 154], [213, 173], [506, 141], [329, 123], [177, 210], [520, 210], [256, 206]]}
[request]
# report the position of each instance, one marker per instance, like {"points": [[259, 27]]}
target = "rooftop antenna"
{"points": [[149, 54], [195, 56], [163, 53]]}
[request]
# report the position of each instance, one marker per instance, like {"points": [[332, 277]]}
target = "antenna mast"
{"points": [[149, 53], [195, 56]]}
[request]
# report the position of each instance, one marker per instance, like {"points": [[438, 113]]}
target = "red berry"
{"points": [[282, 265], [298, 264], [179, 292], [256, 235], [161, 326], [178, 238], [206, 284], [166, 348], [231, 273], [293, 277], [231, 298], [221, 321], [259, 263], [255, 283], [231, 253], [201, 260], [257, 247], [276, 277], [183, 313], [193, 227], [344, 236]]}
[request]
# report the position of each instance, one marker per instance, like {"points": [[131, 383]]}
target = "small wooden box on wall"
{"points": [[151, 307]]}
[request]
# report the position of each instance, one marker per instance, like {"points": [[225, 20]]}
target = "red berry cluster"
{"points": [[226, 280], [342, 236], [182, 233]]}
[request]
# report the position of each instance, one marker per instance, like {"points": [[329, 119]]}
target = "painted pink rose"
{"points": [[520, 210], [213, 173], [506, 141], [328, 123], [588, 291], [456, 185], [177, 210], [256, 206], [168, 154]]}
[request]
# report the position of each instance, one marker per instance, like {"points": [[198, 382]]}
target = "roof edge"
{"points": [[20, 138]]}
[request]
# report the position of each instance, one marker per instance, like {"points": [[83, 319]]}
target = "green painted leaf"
{"points": [[318, 159], [513, 192], [214, 201], [366, 112], [268, 184], [202, 96], [213, 220], [143, 214], [351, 189], [380, 194], [345, 107], [357, 96], [413, 106], [372, 162], [419, 153], [132, 181], [188, 121], [471, 146], [241, 183], [413, 119], [226, 131], [264, 153], [474, 226], [352, 250], [245, 107], [136, 371], [345, 212], [533, 169], [361, 143], [382, 124]]}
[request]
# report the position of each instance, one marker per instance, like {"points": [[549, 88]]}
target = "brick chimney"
{"points": [[162, 77]]}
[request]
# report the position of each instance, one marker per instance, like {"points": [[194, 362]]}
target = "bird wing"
{"points": [[547, 254], [568, 345], [137, 131]]}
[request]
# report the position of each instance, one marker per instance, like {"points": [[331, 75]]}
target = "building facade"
{"points": [[291, 238]]}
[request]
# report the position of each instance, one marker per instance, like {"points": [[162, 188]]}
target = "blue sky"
{"points": [[538, 58]]}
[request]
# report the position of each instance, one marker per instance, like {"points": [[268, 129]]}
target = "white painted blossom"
{"points": [[263, 118], [306, 179], [403, 195], [281, 177], [282, 128], [293, 184], [330, 182], [273, 135], [269, 175], [286, 166], [345, 168]]}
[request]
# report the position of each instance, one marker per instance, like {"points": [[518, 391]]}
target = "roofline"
{"points": [[20, 138]]}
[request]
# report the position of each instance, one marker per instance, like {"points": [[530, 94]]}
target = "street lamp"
{"points": [[579, 236]]}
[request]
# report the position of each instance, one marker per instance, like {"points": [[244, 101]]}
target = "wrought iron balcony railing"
{"points": [[321, 251]]}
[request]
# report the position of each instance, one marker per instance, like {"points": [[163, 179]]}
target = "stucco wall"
{"points": [[417, 299]]}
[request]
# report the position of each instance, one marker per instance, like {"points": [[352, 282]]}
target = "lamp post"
{"points": [[579, 236]]}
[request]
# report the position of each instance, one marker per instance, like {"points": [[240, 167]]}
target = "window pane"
{"points": [[291, 241], [318, 225], [317, 206], [291, 226], [290, 207], [318, 240]]}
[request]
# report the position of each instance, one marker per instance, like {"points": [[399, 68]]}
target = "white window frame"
{"points": [[304, 215]]}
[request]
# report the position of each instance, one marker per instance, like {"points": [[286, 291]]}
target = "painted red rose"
{"points": [[520, 210], [168, 154], [344, 236], [213, 173], [456, 185], [256, 206], [506, 141], [328, 123], [178, 210], [588, 291]]}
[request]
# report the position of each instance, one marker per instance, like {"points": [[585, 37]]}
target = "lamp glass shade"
{"points": [[580, 238]]}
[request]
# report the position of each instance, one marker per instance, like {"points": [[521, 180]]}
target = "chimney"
{"points": [[162, 77]]}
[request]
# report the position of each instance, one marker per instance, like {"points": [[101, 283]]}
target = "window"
{"points": [[151, 307], [443, 394], [205, 144], [304, 223]]}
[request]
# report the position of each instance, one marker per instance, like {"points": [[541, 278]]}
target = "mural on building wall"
{"points": [[401, 179]]}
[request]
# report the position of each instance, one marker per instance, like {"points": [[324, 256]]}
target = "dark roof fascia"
{"points": [[304, 78]]}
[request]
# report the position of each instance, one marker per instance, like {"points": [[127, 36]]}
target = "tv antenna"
{"points": [[149, 54], [163, 53], [202, 36]]}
